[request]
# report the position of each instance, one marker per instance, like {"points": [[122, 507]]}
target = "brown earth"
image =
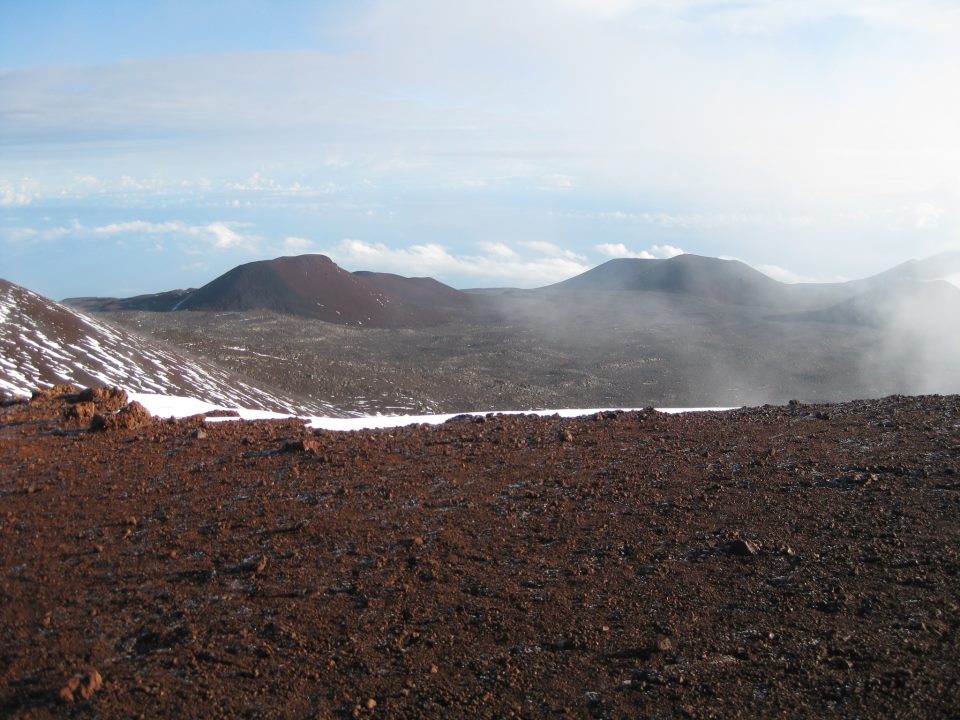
{"points": [[797, 561]]}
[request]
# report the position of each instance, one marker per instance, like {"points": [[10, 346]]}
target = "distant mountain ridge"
{"points": [[311, 286], [314, 286]]}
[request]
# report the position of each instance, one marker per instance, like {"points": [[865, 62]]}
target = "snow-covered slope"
{"points": [[43, 343]]}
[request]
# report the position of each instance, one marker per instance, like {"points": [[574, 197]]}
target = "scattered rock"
{"points": [[741, 548], [131, 417], [107, 399], [55, 392], [199, 434], [309, 444], [249, 565], [81, 412], [83, 686]]}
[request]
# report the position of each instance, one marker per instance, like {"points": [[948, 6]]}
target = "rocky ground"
{"points": [[548, 351], [791, 561]]}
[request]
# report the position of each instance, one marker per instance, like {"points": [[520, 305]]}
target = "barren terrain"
{"points": [[791, 561], [571, 349]]}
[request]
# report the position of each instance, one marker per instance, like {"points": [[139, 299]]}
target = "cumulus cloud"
{"points": [[140, 226], [223, 235], [655, 252], [551, 249], [17, 194], [784, 275], [529, 265], [498, 249], [220, 234]]}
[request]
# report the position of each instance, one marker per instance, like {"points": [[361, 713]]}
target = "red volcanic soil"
{"points": [[795, 561], [315, 286]]}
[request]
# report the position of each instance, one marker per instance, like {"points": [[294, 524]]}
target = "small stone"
{"points": [[742, 548], [434, 669], [664, 644], [68, 690], [199, 434], [308, 445], [566, 436], [86, 685], [371, 704]]}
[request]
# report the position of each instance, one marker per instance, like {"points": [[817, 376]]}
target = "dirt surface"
{"points": [[797, 561]]}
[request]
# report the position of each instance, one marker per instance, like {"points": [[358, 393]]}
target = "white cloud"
{"points": [[781, 274], [543, 264], [665, 251], [619, 250], [140, 226], [21, 234], [926, 215], [498, 249], [220, 234], [788, 276], [223, 235], [255, 182], [17, 194], [551, 249]]}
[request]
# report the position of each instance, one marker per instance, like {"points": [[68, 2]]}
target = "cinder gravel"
{"points": [[795, 561]]}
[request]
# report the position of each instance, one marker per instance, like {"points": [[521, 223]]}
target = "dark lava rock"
{"points": [[741, 548]]}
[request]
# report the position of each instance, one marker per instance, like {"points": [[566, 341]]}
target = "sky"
{"points": [[154, 145]]}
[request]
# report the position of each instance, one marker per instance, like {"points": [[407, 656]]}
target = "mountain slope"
{"points": [[727, 281], [155, 302], [417, 300], [314, 286], [933, 305], [944, 266], [43, 343], [310, 285]]}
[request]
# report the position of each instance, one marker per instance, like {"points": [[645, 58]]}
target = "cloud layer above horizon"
{"points": [[484, 143]]}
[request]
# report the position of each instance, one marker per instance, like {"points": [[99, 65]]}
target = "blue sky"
{"points": [[152, 145]]}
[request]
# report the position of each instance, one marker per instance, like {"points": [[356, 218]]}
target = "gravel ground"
{"points": [[794, 561]]}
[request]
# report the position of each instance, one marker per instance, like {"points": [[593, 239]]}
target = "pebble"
{"points": [[742, 548], [85, 685]]}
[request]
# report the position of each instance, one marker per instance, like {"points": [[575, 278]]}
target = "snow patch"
{"points": [[175, 406]]}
